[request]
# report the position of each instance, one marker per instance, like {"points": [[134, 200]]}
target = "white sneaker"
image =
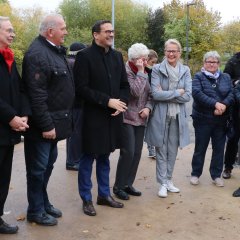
{"points": [[218, 182], [194, 180], [171, 187], [163, 191]]}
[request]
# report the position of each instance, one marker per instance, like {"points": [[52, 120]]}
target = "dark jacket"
{"points": [[233, 67], [50, 87], [206, 92], [98, 77], [13, 102]]}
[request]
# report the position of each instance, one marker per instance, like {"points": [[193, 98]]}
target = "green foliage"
{"points": [[82, 14], [155, 30]]}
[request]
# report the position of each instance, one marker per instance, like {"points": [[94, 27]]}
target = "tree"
{"points": [[230, 35], [204, 28], [155, 30], [130, 20]]}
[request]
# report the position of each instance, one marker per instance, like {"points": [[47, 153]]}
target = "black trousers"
{"points": [[6, 157], [130, 154], [232, 144]]}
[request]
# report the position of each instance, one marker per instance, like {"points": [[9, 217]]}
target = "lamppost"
{"points": [[113, 18], [187, 31]]}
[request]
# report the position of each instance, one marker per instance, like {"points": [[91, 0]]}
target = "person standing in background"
{"points": [[14, 111], [152, 60], [74, 142], [233, 69]]}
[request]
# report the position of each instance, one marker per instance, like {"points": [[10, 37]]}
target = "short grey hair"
{"points": [[49, 21], [211, 54], [175, 42], [137, 50], [2, 19]]}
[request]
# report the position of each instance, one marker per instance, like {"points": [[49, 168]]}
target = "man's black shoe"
{"points": [[6, 228], [51, 210], [236, 193], [43, 219], [109, 201], [227, 173], [72, 167], [121, 194], [88, 208], [132, 191]]}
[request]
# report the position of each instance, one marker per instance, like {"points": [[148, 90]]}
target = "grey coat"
{"points": [[162, 96]]}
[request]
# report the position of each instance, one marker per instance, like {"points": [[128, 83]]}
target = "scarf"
{"points": [[8, 57], [173, 78], [214, 76]]}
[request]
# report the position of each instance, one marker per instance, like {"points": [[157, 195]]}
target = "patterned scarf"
{"points": [[8, 56]]}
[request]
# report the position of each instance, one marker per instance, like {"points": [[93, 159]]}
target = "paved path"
{"points": [[202, 212]]}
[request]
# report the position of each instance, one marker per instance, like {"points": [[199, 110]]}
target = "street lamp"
{"points": [[113, 18], [187, 31]]}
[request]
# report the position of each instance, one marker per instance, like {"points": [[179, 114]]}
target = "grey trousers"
{"points": [[166, 155]]}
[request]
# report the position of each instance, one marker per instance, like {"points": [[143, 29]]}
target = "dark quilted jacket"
{"points": [[50, 87]]}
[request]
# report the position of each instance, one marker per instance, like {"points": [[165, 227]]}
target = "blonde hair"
{"points": [[173, 41]]}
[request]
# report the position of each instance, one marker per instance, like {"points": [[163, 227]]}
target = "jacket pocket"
{"points": [[63, 123]]}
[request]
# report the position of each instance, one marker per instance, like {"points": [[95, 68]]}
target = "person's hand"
{"points": [[217, 112], [144, 113], [50, 134], [25, 119], [140, 65], [117, 104], [220, 107], [18, 124], [181, 91], [115, 113]]}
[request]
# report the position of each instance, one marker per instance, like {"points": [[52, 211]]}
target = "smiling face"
{"points": [[57, 33], [104, 37], [172, 53], [211, 64], [6, 34]]}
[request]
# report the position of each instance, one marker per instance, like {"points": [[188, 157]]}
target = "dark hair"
{"points": [[97, 26]]}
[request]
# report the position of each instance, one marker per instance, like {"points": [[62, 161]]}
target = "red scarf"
{"points": [[134, 68], [8, 56]]}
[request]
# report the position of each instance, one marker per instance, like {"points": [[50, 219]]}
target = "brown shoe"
{"points": [[88, 208], [109, 201]]}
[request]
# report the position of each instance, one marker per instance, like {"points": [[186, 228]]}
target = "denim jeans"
{"points": [[85, 173], [204, 131], [40, 157]]}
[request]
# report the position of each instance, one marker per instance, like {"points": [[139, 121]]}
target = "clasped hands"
{"points": [[219, 108]]}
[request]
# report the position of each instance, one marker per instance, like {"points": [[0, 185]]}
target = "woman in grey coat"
{"points": [[168, 126]]}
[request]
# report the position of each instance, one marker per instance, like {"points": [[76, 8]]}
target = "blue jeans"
{"points": [[204, 131], [85, 173], [40, 157]]}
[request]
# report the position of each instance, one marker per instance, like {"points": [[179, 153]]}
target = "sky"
{"points": [[229, 9]]}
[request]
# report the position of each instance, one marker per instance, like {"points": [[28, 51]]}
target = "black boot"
{"points": [[6, 228]]}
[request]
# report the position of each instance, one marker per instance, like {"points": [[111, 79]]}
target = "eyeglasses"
{"points": [[210, 62], [172, 51], [107, 31]]}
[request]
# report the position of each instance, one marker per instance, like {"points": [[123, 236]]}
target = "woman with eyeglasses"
{"points": [[212, 94], [167, 128], [134, 119]]}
